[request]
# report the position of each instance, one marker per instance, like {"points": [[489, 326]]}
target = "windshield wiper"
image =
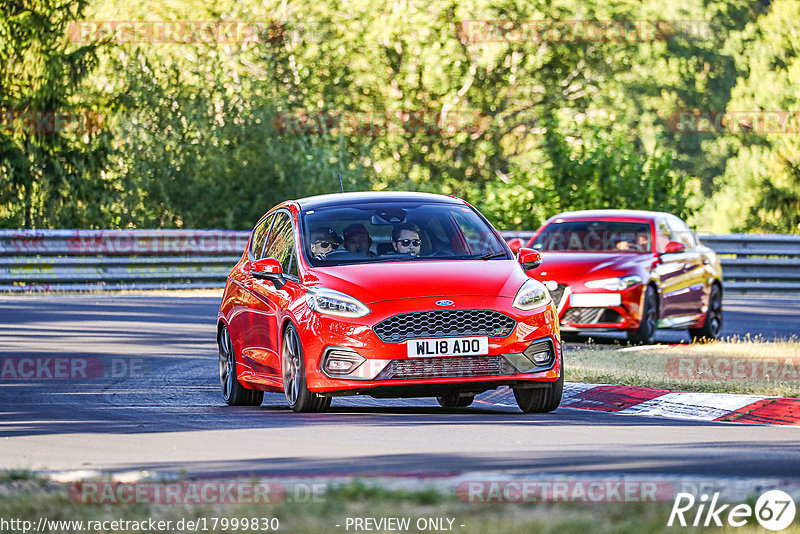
{"points": [[490, 255]]}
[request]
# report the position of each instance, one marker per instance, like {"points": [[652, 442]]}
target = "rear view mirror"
{"points": [[529, 259]]}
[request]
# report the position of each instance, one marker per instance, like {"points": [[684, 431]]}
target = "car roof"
{"points": [[611, 214], [343, 199]]}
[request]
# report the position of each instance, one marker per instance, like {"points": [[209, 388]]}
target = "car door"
{"points": [[676, 270], [268, 302], [240, 319], [691, 300]]}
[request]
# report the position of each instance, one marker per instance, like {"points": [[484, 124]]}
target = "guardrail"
{"points": [[99, 260], [758, 263]]}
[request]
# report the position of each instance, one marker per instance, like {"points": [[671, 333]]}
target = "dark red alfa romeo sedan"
{"points": [[628, 270], [388, 295]]}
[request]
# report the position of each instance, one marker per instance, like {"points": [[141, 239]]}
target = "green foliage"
{"points": [[193, 134], [49, 176]]}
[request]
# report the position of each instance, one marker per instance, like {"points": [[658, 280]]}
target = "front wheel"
{"points": [[234, 393], [298, 397], [713, 322], [646, 333], [541, 400]]}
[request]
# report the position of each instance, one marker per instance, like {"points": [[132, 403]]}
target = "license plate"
{"points": [[594, 300], [450, 346]]}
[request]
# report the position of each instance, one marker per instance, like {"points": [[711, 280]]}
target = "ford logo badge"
{"points": [[444, 302]]}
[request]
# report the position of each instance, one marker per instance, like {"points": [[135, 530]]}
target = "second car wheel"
{"points": [[713, 322], [233, 392], [646, 333], [298, 397]]}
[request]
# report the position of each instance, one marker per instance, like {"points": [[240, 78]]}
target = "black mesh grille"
{"points": [[446, 367], [444, 323], [591, 316]]}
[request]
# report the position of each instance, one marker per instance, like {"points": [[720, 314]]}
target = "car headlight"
{"points": [[531, 295], [615, 284], [335, 303]]}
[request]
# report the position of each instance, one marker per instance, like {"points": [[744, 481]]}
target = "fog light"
{"points": [[342, 362], [541, 358]]}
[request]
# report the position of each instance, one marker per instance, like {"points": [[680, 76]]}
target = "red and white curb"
{"points": [[724, 407]]}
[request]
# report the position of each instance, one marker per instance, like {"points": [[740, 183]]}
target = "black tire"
{"points": [[713, 323], [646, 333], [455, 400], [293, 366], [541, 400], [233, 392]]}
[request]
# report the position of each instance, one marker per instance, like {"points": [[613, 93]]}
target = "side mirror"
{"points": [[673, 247], [268, 269], [529, 259]]}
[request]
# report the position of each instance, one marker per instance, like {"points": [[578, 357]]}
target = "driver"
{"points": [[358, 240], [324, 240], [406, 240]]}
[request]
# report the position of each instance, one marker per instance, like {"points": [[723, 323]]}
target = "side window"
{"points": [[682, 234], [280, 244], [259, 238], [663, 235]]}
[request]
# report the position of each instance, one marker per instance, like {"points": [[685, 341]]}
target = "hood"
{"points": [[576, 266], [374, 282]]}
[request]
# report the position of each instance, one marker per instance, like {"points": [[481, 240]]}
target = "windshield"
{"points": [[397, 231], [594, 236]]}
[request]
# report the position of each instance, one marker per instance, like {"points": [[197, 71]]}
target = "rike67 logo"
{"points": [[774, 510]]}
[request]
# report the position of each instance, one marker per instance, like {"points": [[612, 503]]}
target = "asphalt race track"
{"points": [[158, 408]]}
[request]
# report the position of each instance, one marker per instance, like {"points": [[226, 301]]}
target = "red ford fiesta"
{"points": [[388, 295]]}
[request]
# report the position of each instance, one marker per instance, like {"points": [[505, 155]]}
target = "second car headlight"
{"points": [[335, 303], [531, 295], [615, 284]]}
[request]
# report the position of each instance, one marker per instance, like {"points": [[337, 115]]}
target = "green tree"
{"points": [[49, 175]]}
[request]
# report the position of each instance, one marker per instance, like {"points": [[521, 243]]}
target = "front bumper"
{"points": [[388, 370], [624, 315]]}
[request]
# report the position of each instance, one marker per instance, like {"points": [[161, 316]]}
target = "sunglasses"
{"points": [[327, 244], [409, 242]]}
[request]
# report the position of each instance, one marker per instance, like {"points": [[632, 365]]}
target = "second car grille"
{"points": [[591, 316], [444, 367], [444, 323]]}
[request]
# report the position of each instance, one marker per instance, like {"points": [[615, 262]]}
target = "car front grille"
{"points": [[444, 323], [591, 316], [459, 366]]}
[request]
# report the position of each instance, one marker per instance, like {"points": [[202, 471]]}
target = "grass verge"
{"points": [[735, 366], [426, 511]]}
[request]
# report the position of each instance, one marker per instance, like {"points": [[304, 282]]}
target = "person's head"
{"points": [[357, 239], [643, 241], [406, 239], [324, 240]]}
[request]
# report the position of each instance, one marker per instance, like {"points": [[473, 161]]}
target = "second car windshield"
{"points": [[397, 231], [594, 236]]}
